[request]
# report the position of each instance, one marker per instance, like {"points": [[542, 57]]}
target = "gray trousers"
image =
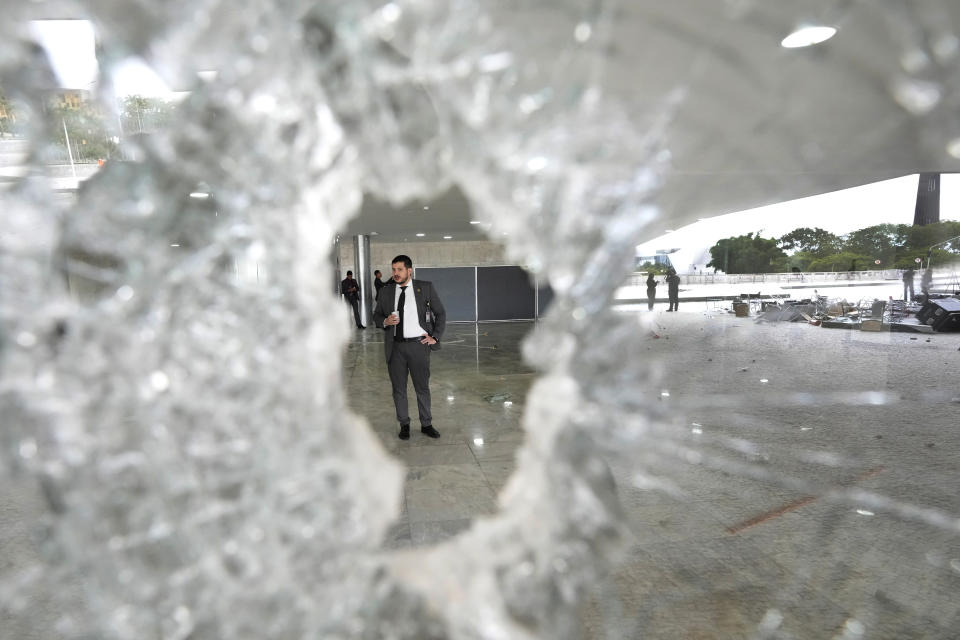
{"points": [[414, 358]]}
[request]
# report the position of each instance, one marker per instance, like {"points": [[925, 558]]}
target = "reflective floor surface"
{"points": [[760, 531], [478, 383]]}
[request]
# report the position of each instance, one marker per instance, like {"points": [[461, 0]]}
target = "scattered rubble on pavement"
{"points": [[940, 314]]}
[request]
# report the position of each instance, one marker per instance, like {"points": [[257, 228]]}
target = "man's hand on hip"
{"points": [[428, 340]]}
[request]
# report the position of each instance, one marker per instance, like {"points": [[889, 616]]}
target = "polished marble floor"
{"points": [[478, 383], [724, 555]]}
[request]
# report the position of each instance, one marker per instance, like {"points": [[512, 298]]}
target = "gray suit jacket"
{"points": [[427, 299]]}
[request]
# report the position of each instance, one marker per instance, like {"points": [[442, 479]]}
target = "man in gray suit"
{"points": [[413, 319]]}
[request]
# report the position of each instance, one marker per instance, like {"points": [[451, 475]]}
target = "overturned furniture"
{"points": [[788, 313], [941, 315]]}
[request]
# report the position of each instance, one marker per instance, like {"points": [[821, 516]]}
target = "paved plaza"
{"points": [[820, 498]]}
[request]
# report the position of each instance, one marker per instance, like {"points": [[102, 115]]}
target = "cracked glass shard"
{"points": [[177, 457]]}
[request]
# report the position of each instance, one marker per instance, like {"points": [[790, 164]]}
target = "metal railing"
{"points": [[638, 279]]}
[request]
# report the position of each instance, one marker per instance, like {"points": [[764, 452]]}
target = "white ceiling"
{"points": [[759, 124], [448, 215]]}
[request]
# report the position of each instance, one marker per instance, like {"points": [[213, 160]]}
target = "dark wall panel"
{"points": [[455, 286], [504, 293], [544, 297]]}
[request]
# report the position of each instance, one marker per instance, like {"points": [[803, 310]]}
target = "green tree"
{"points": [[939, 257], [917, 241], [844, 261], [13, 116], [6, 114], [90, 138], [139, 114], [895, 245], [879, 242], [800, 261], [747, 254], [816, 242], [921, 237], [648, 266]]}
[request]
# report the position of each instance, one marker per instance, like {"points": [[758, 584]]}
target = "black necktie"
{"points": [[400, 305]]}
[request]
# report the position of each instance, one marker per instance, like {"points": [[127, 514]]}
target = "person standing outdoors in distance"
{"points": [[908, 284], [413, 319], [377, 284], [926, 281], [673, 289], [350, 289], [651, 290]]}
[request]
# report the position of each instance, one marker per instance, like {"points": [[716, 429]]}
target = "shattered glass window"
{"points": [[178, 456]]}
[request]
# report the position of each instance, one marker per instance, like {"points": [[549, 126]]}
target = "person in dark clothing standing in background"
{"points": [[651, 291], [673, 289], [908, 284], [350, 289], [926, 281], [377, 284]]}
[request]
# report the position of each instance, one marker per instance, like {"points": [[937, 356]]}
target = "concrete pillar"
{"points": [[364, 275], [927, 210], [335, 263]]}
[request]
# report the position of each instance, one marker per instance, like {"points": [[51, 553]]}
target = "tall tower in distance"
{"points": [[928, 199]]}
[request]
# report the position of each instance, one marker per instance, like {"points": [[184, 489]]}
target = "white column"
{"points": [[335, 263], [361, 264]]}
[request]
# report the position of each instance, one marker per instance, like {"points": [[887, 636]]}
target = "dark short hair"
{"points": [[376, 272], [407, 262], [349, 273]]}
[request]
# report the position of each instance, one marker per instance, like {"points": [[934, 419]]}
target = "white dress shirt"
{"points": [[411, 323]]}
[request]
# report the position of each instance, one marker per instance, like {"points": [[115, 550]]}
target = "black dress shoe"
{"points": [[405, 432], [430, 431]]}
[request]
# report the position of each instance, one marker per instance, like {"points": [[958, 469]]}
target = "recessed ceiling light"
{"points": [[494, 62], [669, 231], [474, 222], [425, 208], [536, 164], [420, 235], [199, 194], [447, 237], [583, 32], [390, 12], [953, 147], [808, 36]]}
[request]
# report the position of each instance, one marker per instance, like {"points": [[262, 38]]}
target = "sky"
{"points": [[839, 212], [71, 47]]}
